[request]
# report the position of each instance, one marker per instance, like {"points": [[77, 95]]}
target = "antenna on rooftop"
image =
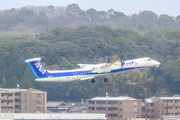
{"points": [[17, 86], [106, 92]]}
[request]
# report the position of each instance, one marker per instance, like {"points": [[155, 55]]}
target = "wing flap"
{"points": [[87, 78]]}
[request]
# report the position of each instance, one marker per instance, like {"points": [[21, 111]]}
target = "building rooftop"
{"points": [[12, 90], [17, 89], [169, 98], [112, 98], [149, 100], [55, 103]]}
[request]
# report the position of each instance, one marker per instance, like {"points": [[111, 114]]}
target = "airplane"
{"points": [[88, 71]]}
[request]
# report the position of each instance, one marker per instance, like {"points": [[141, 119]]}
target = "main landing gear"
{"points": [[105, 80], [93, 80]]}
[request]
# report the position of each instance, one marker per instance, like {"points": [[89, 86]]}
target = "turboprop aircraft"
{"points": [[88, 71]]}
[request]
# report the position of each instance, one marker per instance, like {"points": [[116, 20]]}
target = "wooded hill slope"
{"points": [[36, 19], [63, 48]]}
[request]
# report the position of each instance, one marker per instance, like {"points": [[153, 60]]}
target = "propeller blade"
{"points": [[108, 60]]}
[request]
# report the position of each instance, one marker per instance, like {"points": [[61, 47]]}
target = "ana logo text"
{"points": [[40, 67]]}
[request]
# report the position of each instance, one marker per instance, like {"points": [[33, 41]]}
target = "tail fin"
{"points": [[38, 69]]}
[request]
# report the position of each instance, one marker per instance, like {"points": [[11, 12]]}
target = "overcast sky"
{"points": [[128, 7]]}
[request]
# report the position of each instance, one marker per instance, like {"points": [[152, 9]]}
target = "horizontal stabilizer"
{"points": [[34, 59]]}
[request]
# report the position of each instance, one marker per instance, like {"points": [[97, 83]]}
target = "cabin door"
{"points": [[136, 65]]}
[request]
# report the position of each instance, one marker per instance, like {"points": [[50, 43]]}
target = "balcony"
{"points": [[150, 107], [10, 98], [16, 97], [3, 97], [16, 103], [150, 114], [10, 104], [100, 105], [3, 104], [16, 109], [169, 104]]}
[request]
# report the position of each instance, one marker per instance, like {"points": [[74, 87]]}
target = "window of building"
{"points": [[120, 103], [135, 115], [91, 108], [112, 102], [91, 102], [120, 116], [17, 94], [10, 94], [16, 100], [112, 108], [135, 109], [151, 104], [9, 108], [120, 109], [101, 108], [10, 101], [112, 115], [135, 103], [100, 102], [38, 95], [39, 101], [39, 108], [16, 106]]}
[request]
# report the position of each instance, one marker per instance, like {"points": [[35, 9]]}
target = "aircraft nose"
{"points": [[157, 64]]}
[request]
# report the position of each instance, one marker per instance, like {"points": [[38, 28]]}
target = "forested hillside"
{"points": [[63, 48], [66, 36], [33, 19]]}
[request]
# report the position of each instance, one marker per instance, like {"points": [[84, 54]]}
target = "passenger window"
{"points": [[149, 59]]}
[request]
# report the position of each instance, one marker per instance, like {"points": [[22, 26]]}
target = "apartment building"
{"points": [[23, 101], [157, 107], [116, 108]]}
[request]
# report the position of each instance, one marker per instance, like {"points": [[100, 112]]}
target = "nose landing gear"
{"points": [[154, 69]]}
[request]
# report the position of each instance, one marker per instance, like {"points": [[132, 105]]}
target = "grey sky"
{"points": [[128, 7]]}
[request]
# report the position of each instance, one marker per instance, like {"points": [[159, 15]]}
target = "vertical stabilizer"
{"points": [[38, 69]]}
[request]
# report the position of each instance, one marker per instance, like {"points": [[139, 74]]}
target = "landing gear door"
{"points": [[75, 76]]}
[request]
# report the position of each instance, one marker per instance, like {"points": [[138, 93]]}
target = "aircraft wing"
{"points": [[87, 78], [94, 65], [86, 65]]}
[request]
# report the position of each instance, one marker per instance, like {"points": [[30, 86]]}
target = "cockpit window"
{"points": [[148, 59]]}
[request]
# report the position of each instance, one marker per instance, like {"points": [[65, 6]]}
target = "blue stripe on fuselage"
{"points": [[82, 73]]}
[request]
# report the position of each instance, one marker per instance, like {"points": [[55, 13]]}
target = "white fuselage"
{"points": [[90, 71]]}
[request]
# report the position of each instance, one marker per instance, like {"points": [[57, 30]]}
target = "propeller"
{"points": [[122, 63], [108, 60]]}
